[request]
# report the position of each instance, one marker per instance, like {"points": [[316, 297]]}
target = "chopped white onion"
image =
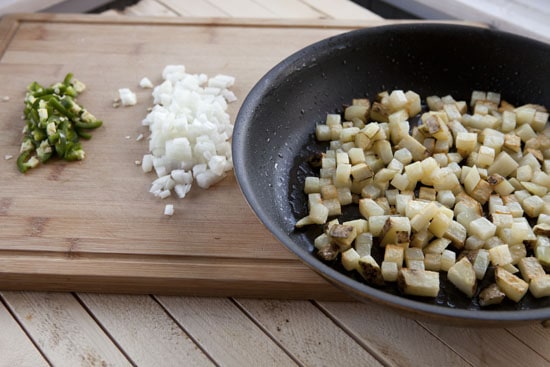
{"points": [[145, 83], [190, 131], [169, 209], [127, 97]]}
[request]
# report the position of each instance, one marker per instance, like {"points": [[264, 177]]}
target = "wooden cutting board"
{"points": [[93, 225]]}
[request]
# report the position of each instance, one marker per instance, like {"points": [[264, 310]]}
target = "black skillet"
{"points": [[273, 135]]}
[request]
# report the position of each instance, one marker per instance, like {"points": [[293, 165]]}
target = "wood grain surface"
{"points": [[93, 225]]}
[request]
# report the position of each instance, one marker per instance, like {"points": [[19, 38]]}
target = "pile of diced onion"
{"points": [[465, 191], [190, 132]]}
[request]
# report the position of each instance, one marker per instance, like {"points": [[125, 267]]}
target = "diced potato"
{"points": [[334, 207], [398, 100], [542, 253], [371, 190], [348, 134], [482, 191], [422, 283], [514, 287], [500, 255], [482, 228], [466, 143], [350, 259], [368, 208], [432, 261], [321, 241], [437, 246], [500, 185], [539, 121], [456, 233], [434, 103], [446, 197], [417, 150], [473, 243], [383, 149], [312, 185], [542, 229], [491, 295], [344, 195], [445, 179], [342, 175], [518, 251], [361, 225], [370, 270], [403, 155], [503, 164], [394, 253], [329, 192], [537, 190], [362, 141], [401, 181], [357, 111], [414, 105], [342, 235], [463, 276], [413, 255], [525, 132], [448, 259], [422, 219], [540, 286], [440, 224], [376, 224], [530, 268], [481, 263], [521, 231], [363, 244], [396, 230], [389, 271], [486, 156], [502, 220], [322, 132], [471, 179], [356, 155], [429, 167], [361, 171], [508, 121]]}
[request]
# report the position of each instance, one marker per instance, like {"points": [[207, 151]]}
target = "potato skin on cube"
{"points": [[514, 287], [422, 283]]}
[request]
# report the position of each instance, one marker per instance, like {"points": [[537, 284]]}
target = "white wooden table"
{"points": [[83, 329]]}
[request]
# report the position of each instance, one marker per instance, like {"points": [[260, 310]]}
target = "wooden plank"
{"points": [[221, 329], [307, 333], [16, 348], [150, 7], [525, 17], [291, 9], [65, 333], [243, 9], [536, 336], [342, 9], [20, 6], [487, 346], [144, 331], [398, 340], [194, 8]]}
